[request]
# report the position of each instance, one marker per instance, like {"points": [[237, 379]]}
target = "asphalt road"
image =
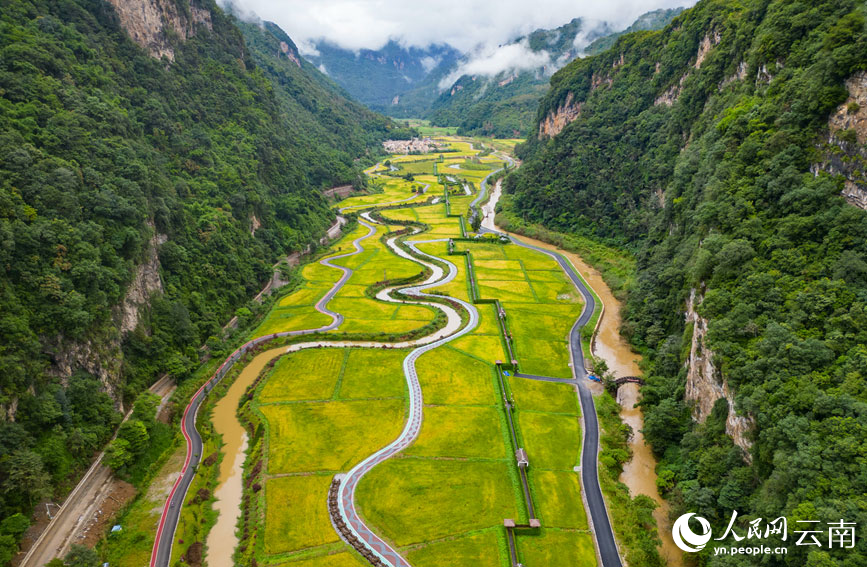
{"points": [[162, 550], [600, 522], [57, 537]]}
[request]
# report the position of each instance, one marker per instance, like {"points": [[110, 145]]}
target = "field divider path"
{"points": [[600, 521]]}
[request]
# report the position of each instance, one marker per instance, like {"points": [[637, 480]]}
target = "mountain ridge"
{"points": [[714, 150]]}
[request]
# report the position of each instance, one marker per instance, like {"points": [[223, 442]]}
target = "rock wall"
{"points": [[151, 23], [100, 353], [290, 53], [146, 281], [845, 151], [557, 120], [707, 43], [704, 383]]}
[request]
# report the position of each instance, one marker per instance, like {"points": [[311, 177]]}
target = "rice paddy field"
{"points": [[443, 500], [323, 411]]}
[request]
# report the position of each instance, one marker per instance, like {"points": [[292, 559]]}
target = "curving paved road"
{"points": [[162, 550], [599, 520], [349, 483]]}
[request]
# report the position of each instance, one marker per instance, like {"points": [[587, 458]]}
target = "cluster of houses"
{"points": [[412, 146]]}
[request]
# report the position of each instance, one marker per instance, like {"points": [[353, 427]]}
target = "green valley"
{"points": [[347, 283]]}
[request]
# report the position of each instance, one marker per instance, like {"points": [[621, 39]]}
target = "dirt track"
{"points": [[86, 510]]}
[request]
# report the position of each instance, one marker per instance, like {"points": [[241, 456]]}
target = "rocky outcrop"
{"points": [[99, 355], [707, 43], [599, 79], [554, 123], [845, 151], [152, 23], [290, 53], [704, 383], [739, 75], [669, 97], [146, 281]]}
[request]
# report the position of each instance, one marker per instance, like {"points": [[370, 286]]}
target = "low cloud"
{"points": [[430, 62], [492, 61], [307, 48], [464, 24]]}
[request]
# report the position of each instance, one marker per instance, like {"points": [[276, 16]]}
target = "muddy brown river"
{"points": [[222, 540], [639, 474]]}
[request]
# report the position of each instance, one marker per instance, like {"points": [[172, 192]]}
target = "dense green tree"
{"points": [[704, 150], [135, 433], [80, 556], [118, 454], [25, 475]]}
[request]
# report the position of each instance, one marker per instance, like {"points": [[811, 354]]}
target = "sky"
{"points": [[468, 25]]}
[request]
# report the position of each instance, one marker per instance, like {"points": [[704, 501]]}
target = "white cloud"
{"points": [[430, 62], [322, 69], [464, 24], [306, 47], [489, 61]]}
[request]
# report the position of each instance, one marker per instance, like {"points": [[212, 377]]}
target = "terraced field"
{"points": [[443, 499]]}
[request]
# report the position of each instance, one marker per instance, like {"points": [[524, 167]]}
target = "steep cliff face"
{"points": [[705, 384], [554, 123], [152, 23], [846, 147], [146, 281]]}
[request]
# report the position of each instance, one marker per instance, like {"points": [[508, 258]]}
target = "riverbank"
{"points": [[639, 472]]}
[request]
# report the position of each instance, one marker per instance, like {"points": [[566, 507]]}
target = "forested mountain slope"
{"points": [[727, 151], [153, 166], [400, 81], [505, 104]]}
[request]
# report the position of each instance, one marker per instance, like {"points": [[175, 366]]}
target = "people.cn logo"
{"points": [[685, 538]]}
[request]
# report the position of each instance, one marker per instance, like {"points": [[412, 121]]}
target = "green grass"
{"points": [[393, 189], [557, 548], [552, 441], [486, 347], [304, 375], [425, 129], [415, 500], [536, 395], [407, 214], [333, 436], [470, 432], [342, 559], [477, 549], [557, 495], [296, 514], [454, 378], [373, 373]]}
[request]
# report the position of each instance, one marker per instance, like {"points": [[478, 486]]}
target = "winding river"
{"points": [[638, 474]]}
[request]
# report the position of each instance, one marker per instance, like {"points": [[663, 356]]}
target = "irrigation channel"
{"points": [[342, 495]]}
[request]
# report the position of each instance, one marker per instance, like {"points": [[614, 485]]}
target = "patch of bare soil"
{"points": [[163, 483], [119, 495]]}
